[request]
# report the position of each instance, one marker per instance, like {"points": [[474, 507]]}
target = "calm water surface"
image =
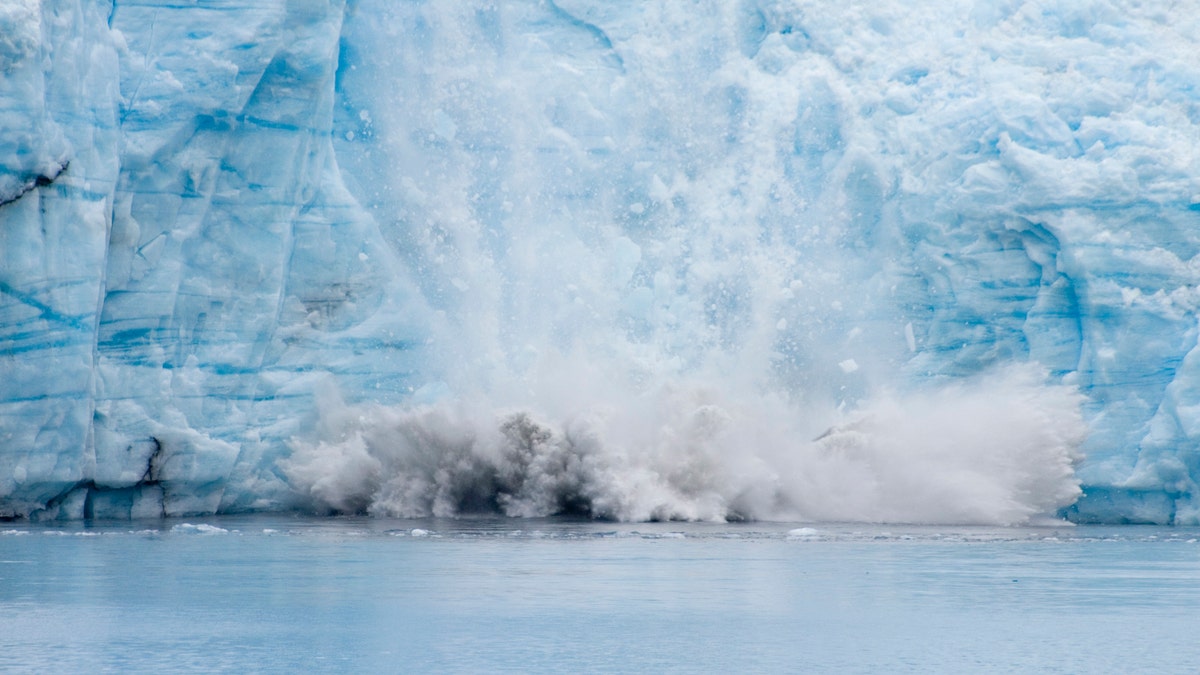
{"points": [[283, 594]]}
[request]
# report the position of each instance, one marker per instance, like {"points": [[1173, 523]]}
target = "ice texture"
{"points": [[765, 258], [170, 300]]}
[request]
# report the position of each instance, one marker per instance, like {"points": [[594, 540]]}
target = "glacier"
{"points": [[701, 260]]}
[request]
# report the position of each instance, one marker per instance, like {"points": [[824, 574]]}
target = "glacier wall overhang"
{"points": [[214, 213]]}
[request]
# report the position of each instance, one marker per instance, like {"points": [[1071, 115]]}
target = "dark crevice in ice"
{"points": [[150, 476], [32, 183]]}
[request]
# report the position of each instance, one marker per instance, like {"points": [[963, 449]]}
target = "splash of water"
{"points": [[667, 281], [1000, 449]]}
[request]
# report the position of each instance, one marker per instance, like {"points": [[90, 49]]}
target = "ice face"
{"points": [[327, 255], [172, 298]]}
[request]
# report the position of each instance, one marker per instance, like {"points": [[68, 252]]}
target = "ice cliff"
{"points": [[640, 260]]}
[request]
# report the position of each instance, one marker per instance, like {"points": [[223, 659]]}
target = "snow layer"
{"points": [[622, 258]]}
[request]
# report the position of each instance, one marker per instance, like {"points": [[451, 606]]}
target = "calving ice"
{"points": [[770, 260]]}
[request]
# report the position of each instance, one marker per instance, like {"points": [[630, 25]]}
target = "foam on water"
{"points": [[497, 527]]}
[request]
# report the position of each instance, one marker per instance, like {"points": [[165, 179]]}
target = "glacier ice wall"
{"points": [[169, 298], [247, 245]]}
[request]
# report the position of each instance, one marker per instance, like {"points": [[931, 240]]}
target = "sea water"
{"points": [[291, 594]]}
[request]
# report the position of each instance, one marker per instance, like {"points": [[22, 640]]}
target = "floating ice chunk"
{"points": [[848, 366], [202, 528]]}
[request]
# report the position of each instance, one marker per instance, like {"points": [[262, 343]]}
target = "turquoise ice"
{"points": [[752, 259]]}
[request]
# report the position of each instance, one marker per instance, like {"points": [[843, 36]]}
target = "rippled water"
{"points": [[282, 594]]}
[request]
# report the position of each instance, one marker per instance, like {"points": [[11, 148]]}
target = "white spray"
{"points": [[671, 284]]}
